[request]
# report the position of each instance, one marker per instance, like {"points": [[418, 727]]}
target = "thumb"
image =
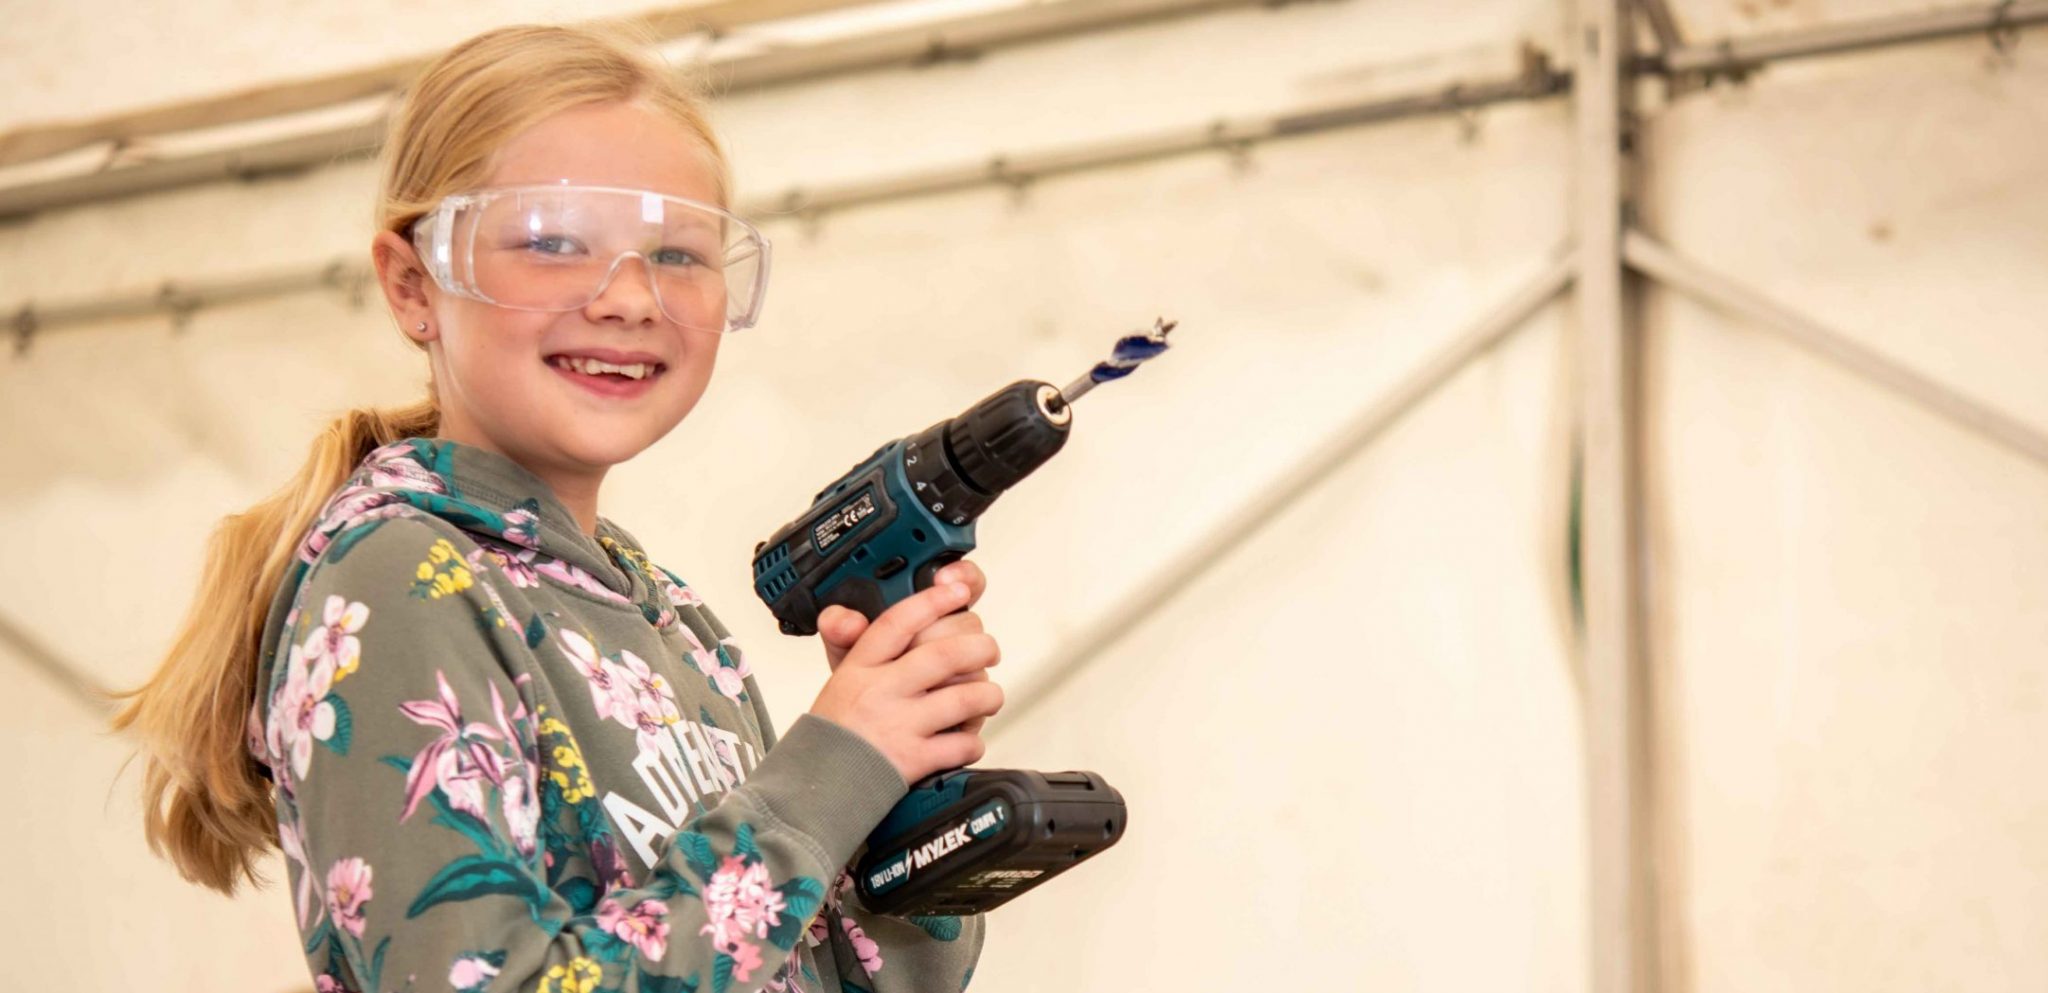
{"points": [[839, 628]]}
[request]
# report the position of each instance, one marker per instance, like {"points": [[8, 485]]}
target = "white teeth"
{"points": [[592, 367]]}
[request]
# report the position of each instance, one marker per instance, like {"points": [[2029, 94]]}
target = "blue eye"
{"points": [[553, 244], [676, 256]]}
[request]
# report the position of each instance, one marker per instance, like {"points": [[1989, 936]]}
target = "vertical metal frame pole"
{"points": [[1621, 924]]}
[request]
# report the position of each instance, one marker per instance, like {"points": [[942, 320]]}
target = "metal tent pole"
{"points": [[1622, 918], [1653, 259]]}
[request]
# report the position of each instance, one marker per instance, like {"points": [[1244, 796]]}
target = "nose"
{"points": [[627, 293]]}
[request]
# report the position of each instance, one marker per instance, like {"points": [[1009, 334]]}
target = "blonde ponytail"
{"points": [[206, 804]]}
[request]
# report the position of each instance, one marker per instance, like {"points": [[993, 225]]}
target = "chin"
{"points": [[607, 448]]}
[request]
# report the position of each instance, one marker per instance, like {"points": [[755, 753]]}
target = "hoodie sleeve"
{"points": [[876, 953], [412, 775]]}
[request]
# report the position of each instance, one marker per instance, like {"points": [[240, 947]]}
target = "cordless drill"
{"points": [[965, 840]]}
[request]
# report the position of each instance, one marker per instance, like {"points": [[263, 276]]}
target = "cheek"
{"points": [[494, 345]]}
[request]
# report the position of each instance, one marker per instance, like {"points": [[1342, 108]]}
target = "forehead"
{"points": [[616, 144]]}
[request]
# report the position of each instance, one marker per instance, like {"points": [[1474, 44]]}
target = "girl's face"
{"points": [[497, 371]]}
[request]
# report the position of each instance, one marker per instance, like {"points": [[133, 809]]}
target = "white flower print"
{"points": [[335, 638], [301, 714]]}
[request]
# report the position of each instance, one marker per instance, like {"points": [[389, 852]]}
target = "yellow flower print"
{"points": [[581, 975], [444, 572], [569, 774]]}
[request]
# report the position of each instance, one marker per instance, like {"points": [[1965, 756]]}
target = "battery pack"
{"points": [[970, 840]]}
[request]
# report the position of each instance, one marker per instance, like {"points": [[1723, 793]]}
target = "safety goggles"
{"points": [[556, 248]]}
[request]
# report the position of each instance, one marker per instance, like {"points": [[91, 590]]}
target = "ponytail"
{"points": [[206, 803]]}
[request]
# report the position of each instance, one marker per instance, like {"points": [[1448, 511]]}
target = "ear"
{"points": [[407, 287]]}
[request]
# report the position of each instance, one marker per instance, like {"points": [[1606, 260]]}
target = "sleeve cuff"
{"points": [[830, 782]]}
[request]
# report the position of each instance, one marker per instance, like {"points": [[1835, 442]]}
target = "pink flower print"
{"points": [[348, 888], [522, 527], [863, 946], [642, 927], [738, 657], [301, 714], [650, 690], [522, 813], [728, 757], [680, 595], [516, 564], [404, 473], [461, 783], [335, 638], [739, 901], [325, 983], [745, 959], [609, 693], [471, 742], [470, 973], [563, 572], [728, 682]]}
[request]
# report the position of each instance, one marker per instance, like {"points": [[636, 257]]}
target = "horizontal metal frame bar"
{"points": [[180, 298], [1651, 258], [1738, 56], [44, 140], [1253, 515], [352, 124], [66, 676]]}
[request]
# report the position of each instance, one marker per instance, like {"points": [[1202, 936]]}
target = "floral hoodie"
{"points": [[511, 756]]}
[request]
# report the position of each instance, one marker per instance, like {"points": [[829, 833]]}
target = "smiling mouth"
{"points": [[628, 372]]}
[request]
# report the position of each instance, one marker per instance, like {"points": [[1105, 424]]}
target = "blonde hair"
{"points": [[207, 804]]}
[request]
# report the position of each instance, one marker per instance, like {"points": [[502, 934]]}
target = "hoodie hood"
{"points": [[513, 515]]}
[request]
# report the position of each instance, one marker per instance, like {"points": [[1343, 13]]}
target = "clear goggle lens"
{"points": [[557, 248]]}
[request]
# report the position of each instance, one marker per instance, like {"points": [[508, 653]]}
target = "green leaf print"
{"points": [[721, 973], [697, 851], [320, 934], [377, 964], [941, 928], [667, 984], [743, 844], [337, 549], [580, 892], [473, 876], [448, 817], [536, 632], [801, 897], [344, 724]]}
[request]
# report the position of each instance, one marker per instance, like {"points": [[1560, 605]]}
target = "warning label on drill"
{"points": [[844, 519], [949, 839]]}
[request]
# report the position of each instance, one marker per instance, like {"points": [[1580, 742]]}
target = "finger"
{"points": [[839, 628], [955, 749], [935, 665], [957, 623], [955, 705], [966, 574], [890, 634]]}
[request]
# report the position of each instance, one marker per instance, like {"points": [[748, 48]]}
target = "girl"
{"points": [[498, 747]]}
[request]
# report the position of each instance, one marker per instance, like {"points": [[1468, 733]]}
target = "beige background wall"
{"points": [[1351, 745]]}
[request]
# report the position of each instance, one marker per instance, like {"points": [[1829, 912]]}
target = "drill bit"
{"points": [[1130, 352]]}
